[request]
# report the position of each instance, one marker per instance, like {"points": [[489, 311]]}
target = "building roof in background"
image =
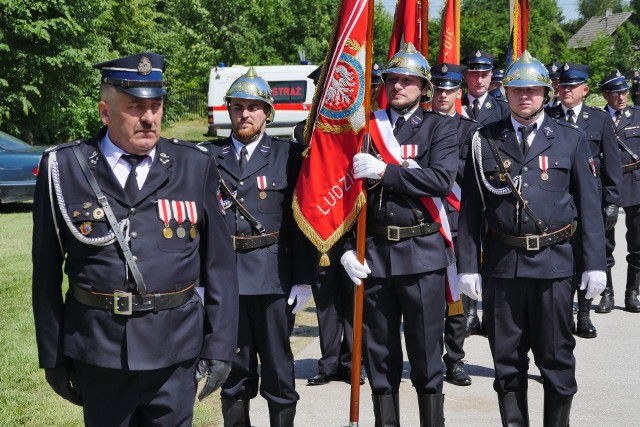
{"points": [[606, 24]]}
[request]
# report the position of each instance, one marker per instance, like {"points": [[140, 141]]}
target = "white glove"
{"points": [[367, 166], [470, 284], [301, 293], [354, 269], [594, 281]]}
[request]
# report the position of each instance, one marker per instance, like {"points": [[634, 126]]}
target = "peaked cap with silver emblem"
{"points": [[138, 75]]}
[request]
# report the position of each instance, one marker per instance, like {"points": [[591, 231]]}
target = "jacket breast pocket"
{"points": [[492, 173], [89, 219], [557, 174], [274, 191]]}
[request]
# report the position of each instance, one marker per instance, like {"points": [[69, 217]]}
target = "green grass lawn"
{"points": [[25, 397], [188, 130]]}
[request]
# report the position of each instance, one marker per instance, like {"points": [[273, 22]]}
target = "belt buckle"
{"points": [[532, 243], [128, 303], [393, 233]]}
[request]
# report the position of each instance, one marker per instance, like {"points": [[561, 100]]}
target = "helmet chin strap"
{"points": [[408, 108], [527, 118]]}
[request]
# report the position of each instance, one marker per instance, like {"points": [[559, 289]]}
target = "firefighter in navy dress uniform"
{"points": [[484, 109], [276, 263], [528, 260], [125, 340], [495, 87], [446, 80], [405, 249], [606, 163], [626, 122]]}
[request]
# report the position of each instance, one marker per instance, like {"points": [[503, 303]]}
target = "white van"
{"points": [[292, 96]]}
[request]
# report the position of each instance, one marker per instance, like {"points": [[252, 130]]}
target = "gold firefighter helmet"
{"points": [[251, 86], [408, 61], [527, 71]]}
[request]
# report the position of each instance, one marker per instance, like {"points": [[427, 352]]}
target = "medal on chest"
{"points": [[164, 214], [179, 215], [192, 214], [262, 185], [543, 161], [409, 151]]}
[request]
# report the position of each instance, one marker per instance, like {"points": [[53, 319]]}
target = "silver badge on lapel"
{"points": [[164, 158]]}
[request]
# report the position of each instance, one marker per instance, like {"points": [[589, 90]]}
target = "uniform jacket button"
{"points": [[241, 183], [241, 200], [525, 169], [133, 211], [241, 217], [134, 235], [525, 185], [391, 215]]}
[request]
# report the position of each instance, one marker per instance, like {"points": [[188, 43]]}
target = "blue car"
{"points": [[18, 169]]}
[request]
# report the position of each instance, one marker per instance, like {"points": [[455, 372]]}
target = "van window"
{"points": [[289, 92]]}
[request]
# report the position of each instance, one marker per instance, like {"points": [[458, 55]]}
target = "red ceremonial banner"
{"points": [[409, 26], [519, 31], [450, 39], [327, 198]]}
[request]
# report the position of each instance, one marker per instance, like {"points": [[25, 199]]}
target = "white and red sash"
{"points": [[391, 152]]}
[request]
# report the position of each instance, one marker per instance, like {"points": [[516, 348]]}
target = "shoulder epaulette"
{"points": [[563, 122], [192, 145], [64, 145]]}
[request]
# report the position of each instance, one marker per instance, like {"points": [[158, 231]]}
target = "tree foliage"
{"points": [[48, 89], [590, 8]]}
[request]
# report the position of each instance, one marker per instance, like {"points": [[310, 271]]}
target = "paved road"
{"points": [[608, 381]]}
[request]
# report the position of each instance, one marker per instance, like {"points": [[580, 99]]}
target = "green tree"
{"points": [[45, 77], [589, 8]]}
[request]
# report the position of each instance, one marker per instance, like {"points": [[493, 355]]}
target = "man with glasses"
{"points": [[605, 165]]}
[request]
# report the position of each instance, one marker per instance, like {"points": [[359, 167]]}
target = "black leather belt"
{"points": [[395, 233], [126, 303], [252, 242], [534, 242], [631, 166]]}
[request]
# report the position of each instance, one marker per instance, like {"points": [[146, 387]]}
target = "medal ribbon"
{"points": [[409, 151], [543, 161], [178, 211], [262, 182], [164, 211], [192, 213]]}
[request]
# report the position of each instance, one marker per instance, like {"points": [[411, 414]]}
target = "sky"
{"points": [[569, 7]]}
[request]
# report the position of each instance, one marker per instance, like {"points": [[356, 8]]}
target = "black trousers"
{"points": [[333, 295], [160, 397], [632, 236], [418, 301], [264, 328], [530, 314]]}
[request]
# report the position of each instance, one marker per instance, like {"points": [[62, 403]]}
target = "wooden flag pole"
{"points": [[361, 232]]}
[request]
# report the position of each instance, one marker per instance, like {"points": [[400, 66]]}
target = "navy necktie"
{"points": [[242, 161], [131, 184], [526, 131], [399, 122]]}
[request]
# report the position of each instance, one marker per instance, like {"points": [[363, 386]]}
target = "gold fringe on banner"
{"points": [[324, 245], [455, 308]]}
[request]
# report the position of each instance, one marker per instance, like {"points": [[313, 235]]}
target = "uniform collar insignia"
{"points": [[504, 133], [627, 113], [585, 115], [225, 150], [416, 120], [164, 158], [548, 132], [488, 105], [93, 158]]}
